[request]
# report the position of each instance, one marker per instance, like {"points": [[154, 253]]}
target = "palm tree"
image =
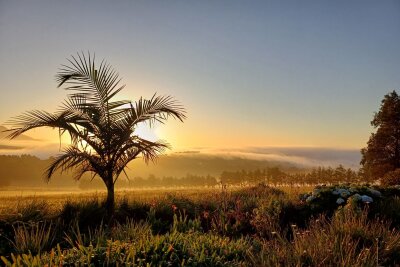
{"points": [[101, 129]]}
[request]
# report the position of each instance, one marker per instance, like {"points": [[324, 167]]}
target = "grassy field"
{"points": [[239, 226], [12, 200]]}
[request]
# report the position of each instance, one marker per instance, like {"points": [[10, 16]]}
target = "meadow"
{"points": [[260, 225]]}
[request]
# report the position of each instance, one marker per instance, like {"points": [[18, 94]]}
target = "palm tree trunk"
{"points": [[110, 202]]}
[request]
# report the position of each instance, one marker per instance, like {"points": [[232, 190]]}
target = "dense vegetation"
{"points": [[338, 225]]}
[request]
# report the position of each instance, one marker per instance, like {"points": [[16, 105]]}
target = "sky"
{"points": [[250, 73]]}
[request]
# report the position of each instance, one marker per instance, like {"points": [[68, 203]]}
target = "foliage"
{"points": [[102, 129], [382, 153], [391, 178], [349, 239], [173, 249]]}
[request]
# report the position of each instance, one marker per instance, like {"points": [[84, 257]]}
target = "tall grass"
{"points": [[349, 239], [32, 237]]}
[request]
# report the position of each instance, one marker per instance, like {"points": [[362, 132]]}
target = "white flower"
{"points": [[340, 201], [366, 199]]}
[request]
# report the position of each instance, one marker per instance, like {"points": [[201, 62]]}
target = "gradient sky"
{"points": [[250, 73]]}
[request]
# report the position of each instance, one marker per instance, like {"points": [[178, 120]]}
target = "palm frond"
{"points": [[82, 76], [35, 119], [138, 147], [156, 109], [73, 157]]}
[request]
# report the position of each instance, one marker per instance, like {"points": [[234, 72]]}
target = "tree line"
{"points": [[276, 176], [272, 176]]}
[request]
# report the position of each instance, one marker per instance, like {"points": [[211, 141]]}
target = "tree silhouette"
{"points": [[102, 130], [382, 153]]}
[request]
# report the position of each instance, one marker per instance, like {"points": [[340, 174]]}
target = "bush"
{"points": [[328, 199]]}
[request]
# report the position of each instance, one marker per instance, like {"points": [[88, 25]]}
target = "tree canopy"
{"points": [[382, 154]]}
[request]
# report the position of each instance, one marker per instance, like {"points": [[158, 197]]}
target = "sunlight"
{"points": [[146, 132]]}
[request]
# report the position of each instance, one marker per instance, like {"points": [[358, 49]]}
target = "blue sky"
{"points": [[250, 73]]}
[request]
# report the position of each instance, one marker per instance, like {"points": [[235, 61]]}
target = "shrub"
{"points": [[328, 199]]}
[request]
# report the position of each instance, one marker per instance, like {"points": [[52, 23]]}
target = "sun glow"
{"points": [[146, 132]]}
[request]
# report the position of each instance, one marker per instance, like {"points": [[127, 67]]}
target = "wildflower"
{"points": [[205, 214], [174, 207], [366, 199], [340, 201]]}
